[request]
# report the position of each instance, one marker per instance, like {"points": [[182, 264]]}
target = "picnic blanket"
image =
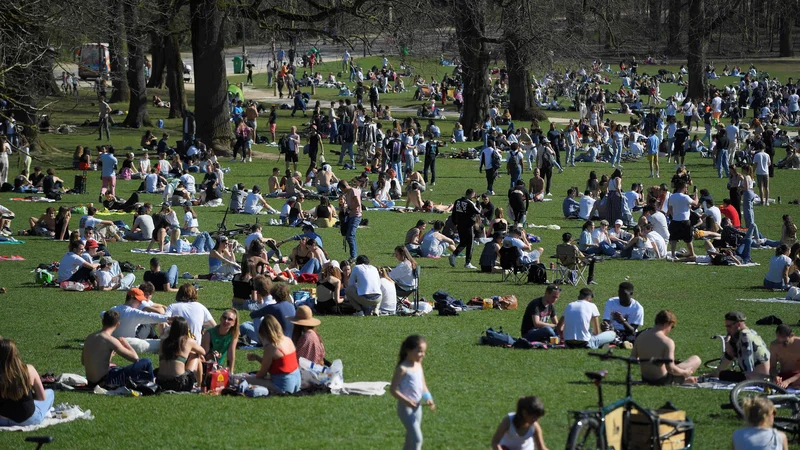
{"points": [[770, 300], [718, 385], [361, 388], [113, 212], [11, 241], [694, 263], [156, 252], [393, 208], [549, 227], [12, 258], [33, 199], [62, 413]]}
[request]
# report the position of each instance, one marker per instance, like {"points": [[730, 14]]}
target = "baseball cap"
{"points": [[92, 244], [106, 261], [618, 222], [136, 293], [735, 316]]}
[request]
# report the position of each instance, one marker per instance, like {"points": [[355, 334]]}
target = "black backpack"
{"points": [[283, 144], [547, 159], [495, 160], [537, 274], [396, 151], [513, 161]]}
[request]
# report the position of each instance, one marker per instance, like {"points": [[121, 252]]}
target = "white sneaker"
{"points": [[250, 160], [549, 194], [469, 266]]}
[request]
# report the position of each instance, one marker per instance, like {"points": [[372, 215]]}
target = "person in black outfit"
{"points": [[431, 152], [464, 215], [679, 149], [518, 201], [487, 209], [554, 136]]}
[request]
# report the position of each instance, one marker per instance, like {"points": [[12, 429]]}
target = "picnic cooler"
{"points": [[80, 183], [215, 378], [642, 427]]}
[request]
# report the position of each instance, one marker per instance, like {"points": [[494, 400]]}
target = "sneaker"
{"points": [[591, 282], [187, 276], [619, 166], [469, 266], [561, 170], [549, 194], [250, 159], [292, 282], [273, 143], [452, 260]]}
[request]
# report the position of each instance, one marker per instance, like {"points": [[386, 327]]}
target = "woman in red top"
{"points": [[279, 370], [305, 337]]}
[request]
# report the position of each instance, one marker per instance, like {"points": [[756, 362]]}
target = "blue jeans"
{"points": [[347, 147], [40, 411], [607, 249], [602, 339], [398, 168], [412, 421], [140, 370], [172, 275], [744, 249], [592, 250], [773, 285], [707, 136], [747, 209], [250, 329], [515, 174], [312, 266], [203, 242], [540, 334], [570, 154], [287, 383], [351, 224], [722, 162], [615, 158]]}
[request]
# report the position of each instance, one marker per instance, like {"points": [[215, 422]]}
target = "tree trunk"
{"points": [[211, 83], [696, 56], [158, 56], [674, 25], [654, 30], [470, 31], [174, 64], [520, 92], [119, 83], [137, 108], [785, 46]]}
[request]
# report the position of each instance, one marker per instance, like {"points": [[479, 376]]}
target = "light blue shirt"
{"points": [[109, 161], [652, 144]]}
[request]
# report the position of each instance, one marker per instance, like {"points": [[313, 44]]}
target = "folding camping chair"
{"points": [[511, 264], [570, 264], [404, 292]]}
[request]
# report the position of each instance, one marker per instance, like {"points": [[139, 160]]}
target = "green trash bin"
{"points": [[237, 65]]}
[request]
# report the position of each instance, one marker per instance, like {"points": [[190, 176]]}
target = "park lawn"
{"points": [[473, 386]]}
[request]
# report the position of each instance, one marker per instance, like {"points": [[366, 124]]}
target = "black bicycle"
{"points": [[787, 406], [625, 424]]}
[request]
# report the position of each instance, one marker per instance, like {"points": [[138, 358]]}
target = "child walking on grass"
{"points": [[521, 430], [410, 390]]}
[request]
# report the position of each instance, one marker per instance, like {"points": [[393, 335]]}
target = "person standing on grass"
{"points": [[521, 430], [109, 172], [653, 142], [680, 227], [464, 214], [490, 159], [655, 343], [273, 122], [761, 161], [294, 147], [350, 206], [409, 388], [103, 124]]}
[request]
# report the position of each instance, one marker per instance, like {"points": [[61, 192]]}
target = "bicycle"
{"points": [[714, 363], [611, 426], [787, 406]]}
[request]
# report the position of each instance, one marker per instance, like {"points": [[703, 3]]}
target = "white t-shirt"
{"points": [[716, 104], [188, 182], [195, 314], [251, 202], [659, 223], [131, 318], [777, 264], [366, 279], [716, 213], [164, 166], [761, 161], [631, 197], [388, 296], [250, 238], [486, 156], [70, 263], [586, 205], [633, 313], [88, 221], [403, 274], [681, 206], [733, 133], [104, 278], [661, 244], [144, 165], [578, 320], [190, 219], [151, 183]]}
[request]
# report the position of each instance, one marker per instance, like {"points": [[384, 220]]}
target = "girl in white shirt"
{"points": [[521, 430]]}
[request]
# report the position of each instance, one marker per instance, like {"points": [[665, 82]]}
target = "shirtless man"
{"points": [[784, 360], [45, 225], [415, 177], [326, 179], [274, 183], [414, 198], [536, 186], [100, 347], [655, 343]]}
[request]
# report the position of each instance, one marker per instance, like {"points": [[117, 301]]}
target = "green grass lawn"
{"points": [[473, 386]]}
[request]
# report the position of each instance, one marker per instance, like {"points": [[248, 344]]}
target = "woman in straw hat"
{"points": [[305, 337]]}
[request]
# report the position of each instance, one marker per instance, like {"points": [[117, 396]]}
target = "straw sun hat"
{"points": [[304, 317]]}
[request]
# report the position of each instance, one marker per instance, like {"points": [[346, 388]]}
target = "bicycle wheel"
{"points": [[712, 363], [787, 409], [585, 435]]}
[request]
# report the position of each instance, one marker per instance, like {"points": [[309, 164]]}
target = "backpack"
{"points": [[397, 150], [283, 144], [43, 277], [497, 338], [537, 274], [513, 161], [495, 159], [547, 159]]}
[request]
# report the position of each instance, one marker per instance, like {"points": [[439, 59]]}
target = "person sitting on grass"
{"points": [[23, 398], [434, 243], [45, 225], [759, 413], [143, 226], [363, 290], [540, 321], [777, 276], [580, 324], [307, 257], [106, 281], [75, 267], [279, 371], [180, 359], [518, 238], [163, 281], [521, 430], [784, 363], [623, 313], [305, 336], [491, 253], [536, 186], [222, 260], [98, 349], [187, 306], [656, 343], [136, 316], [220, 342], [281, 310], [747, 348], [330, 300], [254, 202], [570, 207]]}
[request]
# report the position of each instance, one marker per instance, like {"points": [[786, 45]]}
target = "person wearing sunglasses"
{"points": [[220, 342], [747, 348]]}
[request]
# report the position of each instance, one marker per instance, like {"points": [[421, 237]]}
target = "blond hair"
{"points": [[757, 410], [270, 330]]}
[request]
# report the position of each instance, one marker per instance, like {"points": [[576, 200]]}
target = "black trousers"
{"points": [[430, 164], [466, 235]]}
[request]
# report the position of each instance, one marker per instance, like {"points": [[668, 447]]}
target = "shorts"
{"points": [[181, 383], [762, 180], [110, 182], [716, 115], [287, 383], [652, 157], [291, 157], [273, 127], [666, 380], [680, 230]]}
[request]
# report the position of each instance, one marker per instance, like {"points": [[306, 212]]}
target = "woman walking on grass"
{"points": [[410, 390]]}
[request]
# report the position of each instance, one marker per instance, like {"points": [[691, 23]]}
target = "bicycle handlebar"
{"points": [[629, 360]]}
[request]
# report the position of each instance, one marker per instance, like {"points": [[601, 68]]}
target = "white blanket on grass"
{"points": [[751, 264], [770, 300], [361, 388], [66, 414], [156, 252]]}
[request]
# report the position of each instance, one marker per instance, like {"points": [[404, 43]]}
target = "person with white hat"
{"points": [[305, 337]]}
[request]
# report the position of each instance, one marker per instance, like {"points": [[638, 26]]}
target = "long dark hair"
{"points": [[410, 343], [531, 405], [178, 335]]}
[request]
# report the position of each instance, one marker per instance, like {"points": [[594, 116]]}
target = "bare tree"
{"points": [[703, 21], [116, 36], [137, 107]]}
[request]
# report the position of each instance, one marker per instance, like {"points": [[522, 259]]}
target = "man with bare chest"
{"points": [[655, 343], [785, 357]]}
